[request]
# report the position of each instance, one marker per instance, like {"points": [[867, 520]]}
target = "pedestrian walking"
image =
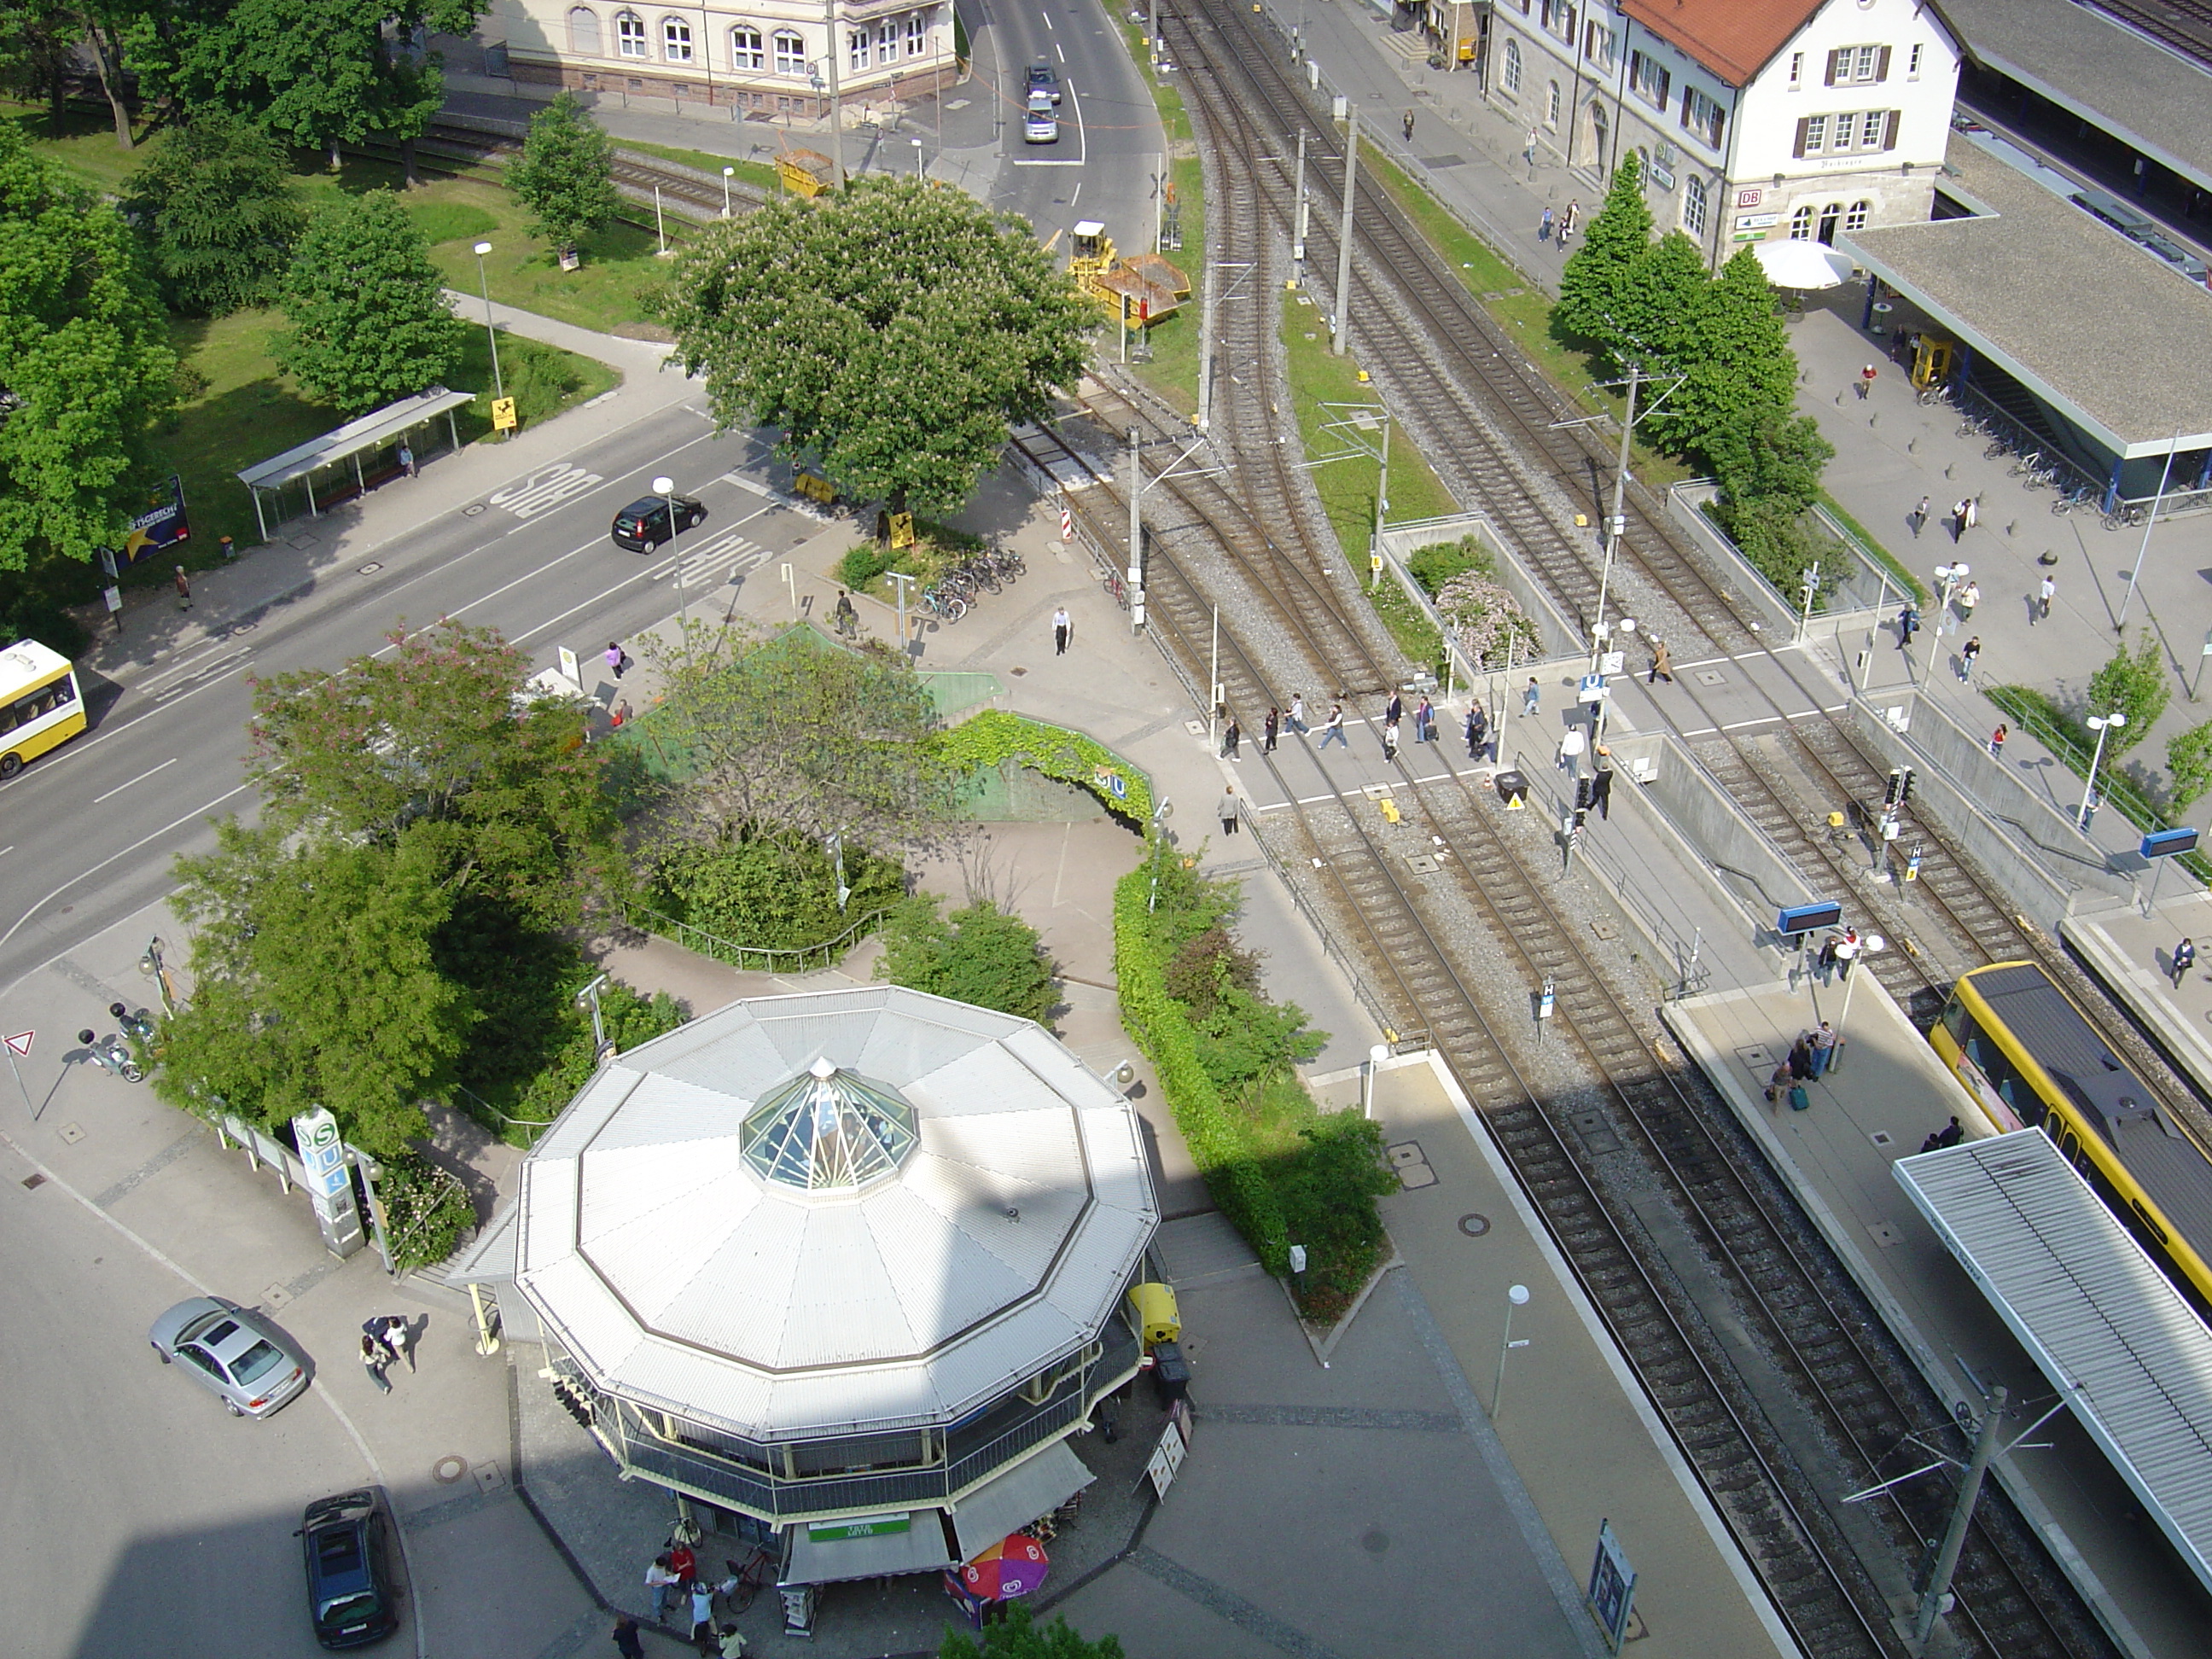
{"points": [[1390, 740], [1969, 597], [1571, 217], [2184, 958], [1267, 732], [1229, 812], [1571, 745], [1544, 227], [1866, 380], [1663, 664], [1563, 234], [1531, 697], [1394, 710], [1529, 151], [845, 619], [1296, 720], [2090, 812], [1997, 740], [2043, 595], [1779, 1079], [1824, 965], [1409, 126], [1059, 626], [702, 1619], [1824, 1049], [390, 1329], [1973, 511], [1951, 1134], [1801, 1057], [733, 1642], [1477, 730], [1601, 789], [184, 590], [406, 460], [617, 659], [1958, 519], [1847, 952], [626, 1639], [659, 1579], [1969, 654], [1908, 624], [375, 1358], [1918, 518], [1334, 727], [1232, 739], [1425, 722]]}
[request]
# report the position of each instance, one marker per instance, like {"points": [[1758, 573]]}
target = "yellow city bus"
{"points": [[40, 703], [2024, 1050]]}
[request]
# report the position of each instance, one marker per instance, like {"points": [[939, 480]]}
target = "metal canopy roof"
{"points": [[683, 1275], [2129, 1355], [372, 431]]}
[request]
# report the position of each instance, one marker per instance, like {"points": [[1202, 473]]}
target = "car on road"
{"points": [[645, 524], [1040, 125], [244, 1360], [1044, 78], [347, 1543]]}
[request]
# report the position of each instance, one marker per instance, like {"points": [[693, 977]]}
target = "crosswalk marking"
{"points": [[729, 554], [545, 488]]}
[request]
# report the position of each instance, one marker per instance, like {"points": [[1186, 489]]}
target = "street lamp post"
{"points": [[1627, 627], [728, 173], [665, 488], [2102, 725], [916, 143], [498, 385], [1872, 945], [1617, 521], [1516, 1297]]}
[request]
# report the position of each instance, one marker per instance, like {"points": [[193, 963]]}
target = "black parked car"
{"points": [[643, 524], [1044, 78], [348, 1543]]}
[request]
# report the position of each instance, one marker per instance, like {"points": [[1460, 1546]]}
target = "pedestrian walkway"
{"points": [[2132, 953], [1875, 1103]]}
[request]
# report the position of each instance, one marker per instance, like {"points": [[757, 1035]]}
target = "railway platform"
{"points": [[1888, 1092], [2132, 953]]}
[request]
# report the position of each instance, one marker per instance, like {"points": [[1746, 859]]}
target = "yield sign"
{"points": [[21, 1042]]}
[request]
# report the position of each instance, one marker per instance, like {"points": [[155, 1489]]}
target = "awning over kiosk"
{"points": [[880, 1546], [2128, 1355], [1035, 1486]]}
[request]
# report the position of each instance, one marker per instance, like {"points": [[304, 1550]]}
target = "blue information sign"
{"points": [[1612, 1587]]}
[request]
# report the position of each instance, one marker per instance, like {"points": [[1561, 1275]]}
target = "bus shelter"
{"points": [[369, 434]]}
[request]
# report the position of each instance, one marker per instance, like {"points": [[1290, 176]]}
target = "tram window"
{"points": [[2011, 1087], [1955, 1020], [2147, 1220]]}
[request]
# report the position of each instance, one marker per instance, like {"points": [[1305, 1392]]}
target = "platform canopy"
{"points": [[2116, 1339], [376, 430]]}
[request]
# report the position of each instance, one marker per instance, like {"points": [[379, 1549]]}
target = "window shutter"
{"points": [[1881, 66], [1797, 150], [1889, 130], [1835, 63]]}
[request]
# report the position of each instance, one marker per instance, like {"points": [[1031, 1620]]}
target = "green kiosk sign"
{"points": [[874, 1526]]}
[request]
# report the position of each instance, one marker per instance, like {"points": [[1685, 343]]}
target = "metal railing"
{"points": [[491, 1117], [760, 959]]}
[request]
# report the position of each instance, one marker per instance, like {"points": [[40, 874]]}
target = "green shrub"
{"points": [[864, 563], [426, 1210], [629, 1019], [1438, 562], [994, 736], [770, 890], [1327, 1193], [979, 954]]}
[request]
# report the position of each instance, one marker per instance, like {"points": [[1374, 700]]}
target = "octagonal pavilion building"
{"points": [[851, 1263]]}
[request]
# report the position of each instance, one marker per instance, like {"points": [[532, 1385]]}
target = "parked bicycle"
{"points": [[2079, 495], [2125, 516], [945, 606]]}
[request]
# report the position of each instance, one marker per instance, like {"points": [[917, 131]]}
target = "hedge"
{"points": [[994, 736], [1157, 1024]]}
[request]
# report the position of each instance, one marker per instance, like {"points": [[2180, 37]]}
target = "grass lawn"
{"points": [[249, 412], [1173, 372]]}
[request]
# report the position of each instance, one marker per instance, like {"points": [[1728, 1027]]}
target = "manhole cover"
{"points": [[1474, 1225], [1404, 1153], [369, 569], [237, 629], [1880, 1137], [71, 1132], [35, 1181], [1711, 676], [448, 1470], [471, 512]]}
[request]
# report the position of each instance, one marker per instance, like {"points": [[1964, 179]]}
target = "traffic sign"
{"points": [[21, 1042], [1066, 525], [1594, 688], [503, 414]]}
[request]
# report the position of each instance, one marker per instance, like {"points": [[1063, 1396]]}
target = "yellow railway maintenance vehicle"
{"points": [[40, 703], [1140, 290], [2020, 1047]]}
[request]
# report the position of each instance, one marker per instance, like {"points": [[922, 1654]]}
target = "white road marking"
{"points": [[545, 488], [141, 778]]}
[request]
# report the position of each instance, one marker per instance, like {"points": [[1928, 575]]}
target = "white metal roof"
{"points": [[678, 1275], [371, 431], [2105, 1326]]}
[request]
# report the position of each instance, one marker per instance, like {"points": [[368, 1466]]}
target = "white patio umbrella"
{"points": [[1803, 264]]}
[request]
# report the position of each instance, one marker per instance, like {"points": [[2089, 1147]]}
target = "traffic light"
{"points": [[1905, 793], [1895, 792]]}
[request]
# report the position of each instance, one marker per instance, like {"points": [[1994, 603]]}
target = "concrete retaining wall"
{"points": [[1559, 635], [1758, 877]]}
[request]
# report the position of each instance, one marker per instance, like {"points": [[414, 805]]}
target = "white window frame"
{"points": [[1801, 225], [747, 47], [917, 34], [1796, 70], [887, 43], [1856, 216], [1912, 63], [1512, 64], [676, 40], [1554, 100], [1705, 119], [858, 47], [1693, 205], [1816, 135], [631, 39], [1646, 73], [787, 49]]}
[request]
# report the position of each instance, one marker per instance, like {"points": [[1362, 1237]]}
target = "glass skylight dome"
{"points": [[829, 1130]]}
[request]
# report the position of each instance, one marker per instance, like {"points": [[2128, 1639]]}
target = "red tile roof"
{"points": [[1735, 39]]}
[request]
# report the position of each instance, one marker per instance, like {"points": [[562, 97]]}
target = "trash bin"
{"points": [[1512, 788], [1158, 1320], [1171, 1374]]}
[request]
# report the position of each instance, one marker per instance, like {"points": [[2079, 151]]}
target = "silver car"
{"points": [[251, 1365]]}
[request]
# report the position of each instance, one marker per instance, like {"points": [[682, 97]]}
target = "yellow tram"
{"points": [[2021, 1048]]}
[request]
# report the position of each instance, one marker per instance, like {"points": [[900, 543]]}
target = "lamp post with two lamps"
{"points": [[2103, 726], [1872, 945]]}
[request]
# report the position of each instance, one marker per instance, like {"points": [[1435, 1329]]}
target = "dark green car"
{"points": [[348, 1543]]}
